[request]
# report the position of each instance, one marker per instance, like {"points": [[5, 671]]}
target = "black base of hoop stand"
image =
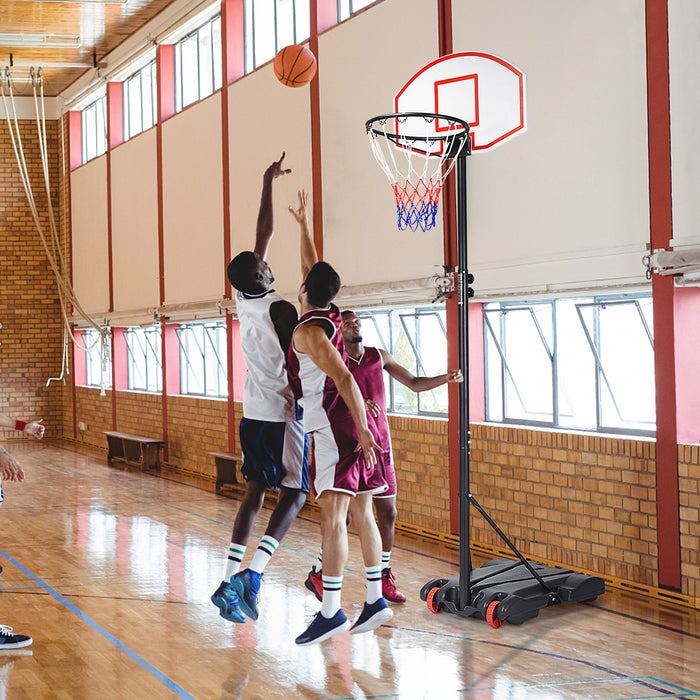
{"points": [[502, 590]]}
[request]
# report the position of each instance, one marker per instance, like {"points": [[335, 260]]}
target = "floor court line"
{"points": [[617, 675], [159, 675]]}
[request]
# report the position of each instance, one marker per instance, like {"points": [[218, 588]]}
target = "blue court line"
{"points": [[170, 684]]}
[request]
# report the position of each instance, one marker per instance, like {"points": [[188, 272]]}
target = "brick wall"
{"points": [[689, 495], [31, 335]]}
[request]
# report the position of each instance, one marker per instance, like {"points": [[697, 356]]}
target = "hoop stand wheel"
{"points": [[491, 618], [430, 600]]}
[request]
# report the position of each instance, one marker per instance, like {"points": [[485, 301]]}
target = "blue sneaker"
{"points": [[372, 616], [226, 600], [322, 628], [246, 584], [9, 640]]}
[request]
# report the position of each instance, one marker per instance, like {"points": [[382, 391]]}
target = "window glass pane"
{"points": [[264, 31], [203, 359], [576, 370], [249, 12], [147, 96], [303, 18], [189, 70], [216, 47], [98, 359], [286, 30], [101, 125], [134, 117], [89, 133], [343, 9], [143, 359], [627, 361], [206, 64]]}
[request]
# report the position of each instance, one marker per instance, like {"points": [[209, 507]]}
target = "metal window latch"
{"points": [[444, 284]]}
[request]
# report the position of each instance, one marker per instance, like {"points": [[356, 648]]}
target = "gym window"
{"points": [[98, 360], [271, 25], [198, 64], [140, 93], [143, 352], [417, 339], [203, 359], [585, 363], [347, 7], [94, 129]]}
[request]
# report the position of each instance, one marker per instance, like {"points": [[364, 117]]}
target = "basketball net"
{"points": [[416, 159]]}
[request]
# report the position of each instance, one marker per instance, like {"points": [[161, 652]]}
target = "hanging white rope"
{"points": [[53, 249]]}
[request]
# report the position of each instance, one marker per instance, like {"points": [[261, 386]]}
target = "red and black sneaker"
{"points": [[389, 589], [314, 582]]}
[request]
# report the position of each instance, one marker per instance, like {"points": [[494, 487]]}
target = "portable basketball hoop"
{"points": [[416, 151]]}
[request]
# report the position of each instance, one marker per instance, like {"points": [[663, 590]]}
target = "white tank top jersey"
{"points": [[266, 392]]}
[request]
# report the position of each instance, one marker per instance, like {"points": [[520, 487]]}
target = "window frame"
{"points": [[90, 151], [126, 101], [594, 339], [217, 349], [149, 365]]}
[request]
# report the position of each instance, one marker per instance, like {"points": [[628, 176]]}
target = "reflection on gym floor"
{"points": [[110, 572]]}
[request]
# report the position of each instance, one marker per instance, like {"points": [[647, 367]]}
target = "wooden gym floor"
{"points": [[110, 572]]}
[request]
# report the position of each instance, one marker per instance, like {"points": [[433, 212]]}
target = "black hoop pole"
{"points": [[464, 594]]}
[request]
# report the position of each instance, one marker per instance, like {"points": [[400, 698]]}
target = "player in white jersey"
{"points": [[273, 442]]}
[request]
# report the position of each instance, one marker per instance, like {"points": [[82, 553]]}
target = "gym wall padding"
{"points": [[565, 203], [135, 223], [684, 58], [362, 64], [89, 235], [193, 203], [266, 119]]}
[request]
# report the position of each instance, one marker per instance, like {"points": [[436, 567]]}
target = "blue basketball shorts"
{"points": [[275, 453]]}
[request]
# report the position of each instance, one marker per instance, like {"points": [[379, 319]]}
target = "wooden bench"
{"points": [[226, 464], [134, 450]]}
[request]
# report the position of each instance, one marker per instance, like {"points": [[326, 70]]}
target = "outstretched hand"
{"points": [[454, 376], [276, 170], [35, 428], [373, 407], [300, 213]]}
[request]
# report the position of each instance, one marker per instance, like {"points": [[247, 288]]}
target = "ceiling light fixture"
{"points": [[49, 41]]}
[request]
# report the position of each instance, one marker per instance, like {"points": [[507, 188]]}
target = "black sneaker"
{"points": [[8, 640], [322, 628], [372, 616]]}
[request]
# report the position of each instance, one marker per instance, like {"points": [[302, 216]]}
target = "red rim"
{"points": [[491, 618], [430, 600]]}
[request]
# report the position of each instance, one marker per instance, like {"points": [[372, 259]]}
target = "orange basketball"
{"points": [[295, 65]]}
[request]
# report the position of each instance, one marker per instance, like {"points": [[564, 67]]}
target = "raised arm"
{"points": [[263, 230], [313, 341], [417, 384], [309, 256]]}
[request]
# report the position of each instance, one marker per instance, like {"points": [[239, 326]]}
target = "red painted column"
{"points": [[661, 224], [319, 14], [120, 373], [449, 216], [75, 158], [165, 70], [115, 136], [233, 59]]}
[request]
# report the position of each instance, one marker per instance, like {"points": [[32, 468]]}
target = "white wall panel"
{"points": [[684, 55], [566, 203], [135, 223], [266, 119], [89, 236], [363, 63], [193, 203]]}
